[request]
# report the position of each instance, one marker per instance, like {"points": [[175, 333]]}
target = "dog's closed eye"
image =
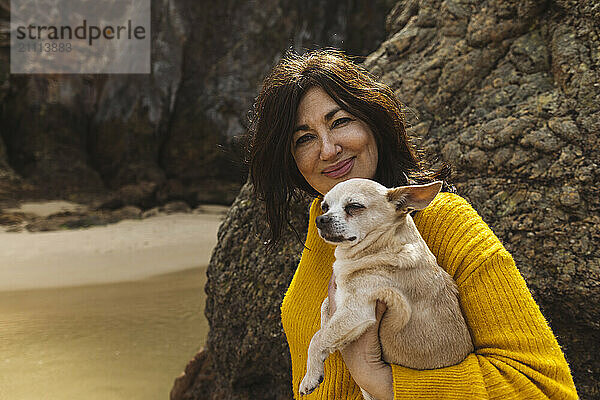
{"points": [[353, 208], [401, 203]]}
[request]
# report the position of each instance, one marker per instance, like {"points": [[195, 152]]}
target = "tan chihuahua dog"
{"points": [[381, 255]]}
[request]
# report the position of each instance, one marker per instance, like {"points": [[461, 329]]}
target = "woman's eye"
{"points": [[303, 139], [352, 207], [340, 121]]}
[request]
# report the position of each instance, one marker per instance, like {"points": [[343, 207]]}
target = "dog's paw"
{"points": [[309, 384]]}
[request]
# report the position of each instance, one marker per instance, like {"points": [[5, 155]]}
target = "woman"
{"points": [[319, 120]]}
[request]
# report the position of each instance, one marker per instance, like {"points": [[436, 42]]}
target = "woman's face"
{"points": [[329, 144]]}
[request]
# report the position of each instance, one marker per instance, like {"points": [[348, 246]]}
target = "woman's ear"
{"points": [[415, 197]]}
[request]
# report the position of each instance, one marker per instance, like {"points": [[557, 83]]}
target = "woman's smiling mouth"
{"points": [[340, 169]]}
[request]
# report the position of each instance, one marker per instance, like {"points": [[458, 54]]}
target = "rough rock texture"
{"points": [[85, 217], [509, 93], [167, 135], [67, 136], [246, 287], [10, 182]]}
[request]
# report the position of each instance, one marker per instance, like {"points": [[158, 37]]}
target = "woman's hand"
{"points": [[363, 356]]}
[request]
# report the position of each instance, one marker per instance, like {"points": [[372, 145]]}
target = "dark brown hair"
{"points": [[273, 171]]}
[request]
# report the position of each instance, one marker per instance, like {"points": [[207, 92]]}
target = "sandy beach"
{"points": [[113, 311], [124, 251]]}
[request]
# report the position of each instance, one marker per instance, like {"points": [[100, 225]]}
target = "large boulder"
{"points": [[507, 92]]}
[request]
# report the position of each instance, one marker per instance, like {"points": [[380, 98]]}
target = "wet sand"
{"points": [[116, 341]]}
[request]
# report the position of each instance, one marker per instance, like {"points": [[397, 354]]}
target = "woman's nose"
{"points": [[329, 148]]}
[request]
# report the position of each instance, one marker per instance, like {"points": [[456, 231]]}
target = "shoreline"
{"points": [[131, 249]]}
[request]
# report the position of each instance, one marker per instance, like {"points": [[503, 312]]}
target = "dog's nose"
{"points": [[323, 220]]}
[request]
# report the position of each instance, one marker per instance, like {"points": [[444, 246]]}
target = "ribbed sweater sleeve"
{"points": [[516, 354]]}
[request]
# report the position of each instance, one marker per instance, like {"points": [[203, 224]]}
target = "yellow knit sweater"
{"points": [[516, 355]]}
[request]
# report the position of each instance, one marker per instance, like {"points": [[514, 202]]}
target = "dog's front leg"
{"points": [[344, 327], [315, 369], [316, 356]]}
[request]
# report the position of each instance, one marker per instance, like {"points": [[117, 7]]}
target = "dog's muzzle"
{"points": [[328, 230]]}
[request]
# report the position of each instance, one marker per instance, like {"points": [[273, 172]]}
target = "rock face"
{"points": [[509, 93], [68, 136], [246, 287]]}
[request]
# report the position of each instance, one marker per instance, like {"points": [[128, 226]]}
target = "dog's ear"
{"points": [[415, 197]]}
